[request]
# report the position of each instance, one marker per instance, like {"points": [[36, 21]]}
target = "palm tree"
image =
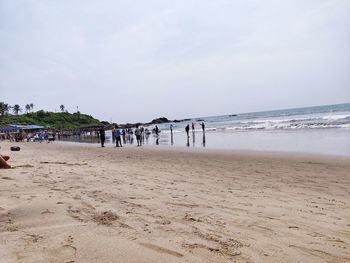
{"points": [[62, 108], [31, 106], [27, 108], [16, 109], [4, 109]]}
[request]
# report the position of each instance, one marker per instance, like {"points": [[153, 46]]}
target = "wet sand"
{"points": [[81, 203], [313, 141]]}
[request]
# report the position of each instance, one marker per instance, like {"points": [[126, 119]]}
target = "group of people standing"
{"points": [[127, 135], [124, 134], [187, 128]]}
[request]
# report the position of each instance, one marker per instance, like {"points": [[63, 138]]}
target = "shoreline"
{"points": [[325, 142], [67, 202], [184, 149]]}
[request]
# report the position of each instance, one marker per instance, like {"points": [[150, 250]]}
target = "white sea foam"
{"points": [[307, 119], [286, 126], [277, 120], [335, 117]]}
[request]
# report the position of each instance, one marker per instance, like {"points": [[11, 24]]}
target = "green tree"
{"points": [[31, 106], [4, 109], [62, 108], [16, 109], [28, 108]]}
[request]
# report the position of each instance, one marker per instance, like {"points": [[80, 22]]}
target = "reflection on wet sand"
{"points": [[193, 138]]}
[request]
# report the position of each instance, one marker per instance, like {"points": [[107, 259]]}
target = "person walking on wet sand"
{"points": [[138, 135], [102, 136], [171, 134], [113, 133], [187, 130], [118, 139], [203, 129]]}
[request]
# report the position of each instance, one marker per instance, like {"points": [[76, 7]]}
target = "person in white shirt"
{"points": [[138, 135]]}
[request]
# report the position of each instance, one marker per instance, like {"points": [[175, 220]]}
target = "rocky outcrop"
{"points": [[159, 120]]}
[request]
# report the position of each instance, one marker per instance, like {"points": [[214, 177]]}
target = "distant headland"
{"points": [[61, 120]]}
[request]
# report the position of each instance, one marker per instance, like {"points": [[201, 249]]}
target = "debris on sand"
{"points": [[105, 218]]}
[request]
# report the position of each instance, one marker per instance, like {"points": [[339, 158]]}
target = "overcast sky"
{"points": [[137, 60]]}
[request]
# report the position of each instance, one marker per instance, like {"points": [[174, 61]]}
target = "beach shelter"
{"points": [[8, 128], [16, 128], [32, 128]]}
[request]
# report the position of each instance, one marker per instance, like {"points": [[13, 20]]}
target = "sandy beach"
{"points": [[80, 203]]}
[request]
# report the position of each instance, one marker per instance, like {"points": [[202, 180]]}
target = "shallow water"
{"points": [[325, 141], [318, 141], [320, 130]]}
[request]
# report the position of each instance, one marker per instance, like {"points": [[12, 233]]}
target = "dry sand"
{"points": [[79, 203]]}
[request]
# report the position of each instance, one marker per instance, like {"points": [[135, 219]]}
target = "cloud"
{"points": [[136, 61]]}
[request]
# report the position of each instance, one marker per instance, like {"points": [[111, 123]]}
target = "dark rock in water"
{"points": [[233, 115], [160, 120], [200, 120], [153, 122], [181, 120]]}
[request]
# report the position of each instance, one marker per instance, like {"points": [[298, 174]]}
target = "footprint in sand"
{"points": [[34, 238], [315, 252], [162, 250], [47, 211], [69, 250], [163, 222], [315, 234]]}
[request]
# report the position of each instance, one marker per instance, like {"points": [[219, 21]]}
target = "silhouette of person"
{"points": [[171, 134], [102, 136], [193, 137], [203, 129], [142, 134], [123, 134], [187, 129], [113, 133], [146, 135], [138, 135], [118, 140]]}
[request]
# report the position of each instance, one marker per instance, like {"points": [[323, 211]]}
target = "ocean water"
{"points": [[319, 117], [319, 130]]}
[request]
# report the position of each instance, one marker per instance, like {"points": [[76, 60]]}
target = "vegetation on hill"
{"points": [[59, 120]]}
